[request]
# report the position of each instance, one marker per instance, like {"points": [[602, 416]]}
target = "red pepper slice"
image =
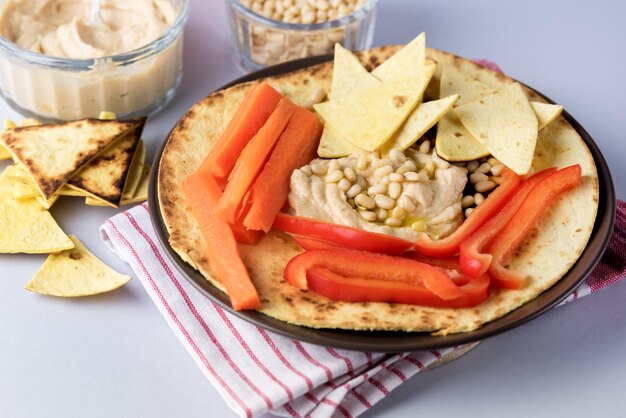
{"points": [[449, 245], [341, 235], [450, 265], [474, 262], [512, 235], [356, 289], [371, 266], [313, 244]]}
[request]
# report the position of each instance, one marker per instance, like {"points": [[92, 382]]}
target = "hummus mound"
{"points": [[437, 193]]}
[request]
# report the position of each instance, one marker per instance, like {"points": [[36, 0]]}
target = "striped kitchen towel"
{"points": [[256, 371]]}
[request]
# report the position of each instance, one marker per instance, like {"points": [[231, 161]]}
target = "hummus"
{"points": [[61, 28], [437, 194]]}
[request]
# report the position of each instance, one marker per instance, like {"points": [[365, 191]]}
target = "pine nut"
{"points": [[393, 222], [344, 184], [395, 189], [410, 165], [349, 173], [381, 163], [365, 201], [496, 170], [477, 177], [383, 171], [367, 215], [398, 213], [484, 186], [419, 226], [425, 147], [408, 203], [396, 177], [397, 155], [496, 179], [411, 176], [351, 202], [306, 170], [361, 163], [493, 161], [472, 166], [478, 199], [360, 180], [381, 214], [484, 168], [467, 201], [319, 169], [423, 177], [373, 156], [334, 165], [468, 212], [444, 165], [354, 190], [377, 189], [383, 201], [334, 176], [402, 170]]}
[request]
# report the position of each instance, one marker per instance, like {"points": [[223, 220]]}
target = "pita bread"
{"points": [[51, 154], [105, 176], [545, 256]]}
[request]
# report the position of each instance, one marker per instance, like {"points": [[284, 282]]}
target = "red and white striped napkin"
{"points": [[256, 371]]}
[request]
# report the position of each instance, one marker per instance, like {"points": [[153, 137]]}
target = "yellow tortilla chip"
{"points": [[420, 121], [51, 154], [333, 145], [26, 226], [504, 122], [134, 175], [8, 124], [105, 176], [406, 64], [141, 194], [545, 113], [74, 273], [30, 122], [368, 117], [348, 74], [106, 115]]}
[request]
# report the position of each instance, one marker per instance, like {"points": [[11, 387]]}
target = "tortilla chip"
{"points": [[421, 120], [105, 176], [26, 226], [406, 64], [545, 257], [504, 122], [8, 124], [545, 113], [348, 74], [74, 273], [141, 194], [51, 154], [334, 145], [134, 175]]}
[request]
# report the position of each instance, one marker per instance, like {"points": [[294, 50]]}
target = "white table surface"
{"points": [[114, 356]]}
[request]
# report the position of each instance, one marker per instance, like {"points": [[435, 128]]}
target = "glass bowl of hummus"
{"points": [[62, 60], [268, 32]]}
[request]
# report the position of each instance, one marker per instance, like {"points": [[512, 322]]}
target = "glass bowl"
{"points": [[135, 83], [258, 41]]}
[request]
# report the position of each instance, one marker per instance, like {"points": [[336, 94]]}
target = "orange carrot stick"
{"points": [[255, 109], [296, 146], [222, 250], [251, 162]]}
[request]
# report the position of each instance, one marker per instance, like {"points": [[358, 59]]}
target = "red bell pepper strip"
{"points": [[313, 244], [450, 265], [340, 235], [449, 245], [355, 289], [371, 266], [473, 261], [533, 207]]}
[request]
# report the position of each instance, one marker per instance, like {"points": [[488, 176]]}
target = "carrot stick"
{"points": [[222, 250], [251, 162], [296, 146], [255, 109]]}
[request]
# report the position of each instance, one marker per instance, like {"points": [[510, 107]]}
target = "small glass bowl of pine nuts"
{"points": [[268, 32]]}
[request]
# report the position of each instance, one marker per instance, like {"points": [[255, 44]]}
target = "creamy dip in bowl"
{"points": [[56, 63]]}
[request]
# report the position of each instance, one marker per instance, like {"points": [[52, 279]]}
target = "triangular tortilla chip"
{"points": [[76, 272], [348, 74], [546, 113], [406, 64], [7, 124], [134, 175], [105, 176], [26, 226], [421, 120], [504, 122], [333, 145], [51, 154], [141, 194]]}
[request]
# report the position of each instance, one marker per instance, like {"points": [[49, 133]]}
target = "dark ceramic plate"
{"points": [[387, 341]]}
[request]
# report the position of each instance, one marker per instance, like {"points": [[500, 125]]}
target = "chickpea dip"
{"points": [[57, 63]]}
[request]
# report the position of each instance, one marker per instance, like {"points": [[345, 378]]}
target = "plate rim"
{"points": [[401, 341]]}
